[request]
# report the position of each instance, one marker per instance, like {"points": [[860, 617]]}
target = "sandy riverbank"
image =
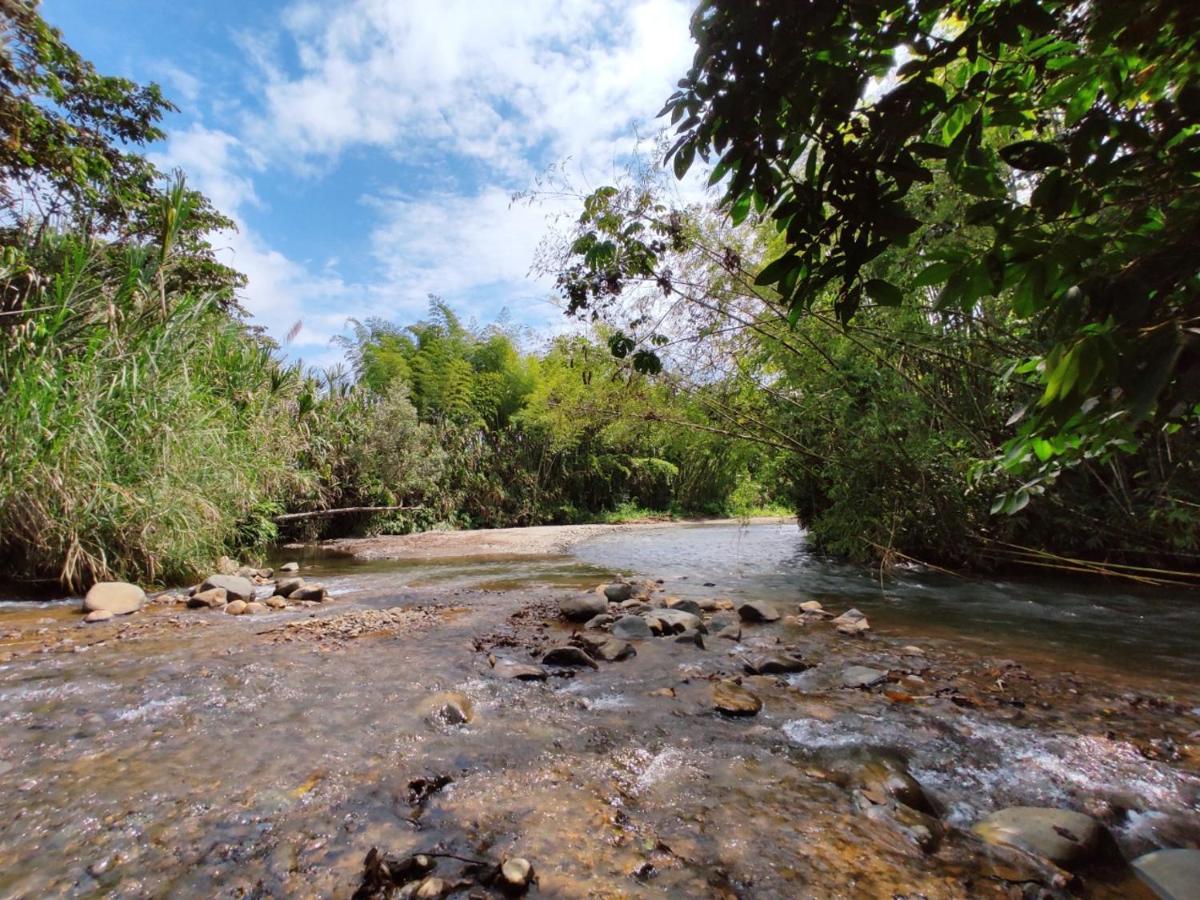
{"points": [[535, 540]]}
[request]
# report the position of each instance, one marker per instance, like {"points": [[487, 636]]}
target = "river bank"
{"points": [[189, 752]]}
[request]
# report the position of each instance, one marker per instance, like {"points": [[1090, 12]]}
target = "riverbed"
{"points": [[184, 753]]}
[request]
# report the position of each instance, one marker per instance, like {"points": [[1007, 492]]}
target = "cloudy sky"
{"points": [[368, 149]]}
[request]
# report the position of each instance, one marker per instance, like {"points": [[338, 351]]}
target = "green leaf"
{"points": [[741, 208], [934, 274], [883, 292]]}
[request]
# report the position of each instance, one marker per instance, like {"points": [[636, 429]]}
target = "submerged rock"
{"points": [[214, 598], [862, 676], [618, 592], [1173, 874], [568, 657], [451, 708], [734, 700], [285, 587], [758, 611], [632, 628], [886, 779], [235, 587], [1064, 837], [775, 664], [583, 608], [599, 623], [99, 615], [117, 597], [507, 668]]}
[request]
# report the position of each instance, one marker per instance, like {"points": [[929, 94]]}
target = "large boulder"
{"points": [[618, 592], [632, 628], [1064, 837], [583, 607], [684, 605], [285, 587], [311, 592], [235, 586], [1173, 874], [117, 597], [676, 621], [757, 611]]}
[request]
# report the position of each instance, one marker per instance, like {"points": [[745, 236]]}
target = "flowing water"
{"points": [[184, 753]]}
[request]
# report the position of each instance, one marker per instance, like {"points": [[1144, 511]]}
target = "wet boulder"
{"points": [[1064, 837], [618, 592], [507, 668], [235, 586], [583, 607], [214, 598], [314, 593], [677, 621], [516, 873], [285, 587], [687, 606], [734, 700], [117, 597], [615, 650], [568, 657], [450, 708], [885, 779], [633, 628], [757, 611], [1172, 874], [600, 623]]}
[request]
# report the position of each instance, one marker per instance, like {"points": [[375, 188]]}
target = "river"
{"points": [[186, 753]]}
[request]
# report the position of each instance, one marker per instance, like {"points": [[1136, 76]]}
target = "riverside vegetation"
{"points": [[943, 372]]}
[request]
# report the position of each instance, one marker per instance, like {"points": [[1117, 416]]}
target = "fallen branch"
{"points": [[319, 513]]}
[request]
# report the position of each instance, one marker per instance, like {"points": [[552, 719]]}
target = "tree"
{"points": [[1072, 127]]}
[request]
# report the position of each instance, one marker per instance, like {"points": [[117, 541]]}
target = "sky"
{"points": [[368, 150]]}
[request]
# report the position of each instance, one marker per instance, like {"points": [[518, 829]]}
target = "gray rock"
{"points": [[583, 607], [632, 628], [687, 606], [862, 676], [1064, 837], [237, 608], [600, 623], [235, 586], [99, 615], [507, 668], [313, 592], [289, 568], [285, 587], [691, 636], [775, 664], [1172, 874], [618, 592], [615, 651], [117, 597], [731, 633], [757, 611], [210, 599], [677, 621], [568, 657], [734, 700]]}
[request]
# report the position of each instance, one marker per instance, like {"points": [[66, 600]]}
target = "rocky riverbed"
{"points": [[602, 738]]}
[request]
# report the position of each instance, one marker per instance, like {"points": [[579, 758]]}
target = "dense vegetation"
{"points": [[945, 308]]}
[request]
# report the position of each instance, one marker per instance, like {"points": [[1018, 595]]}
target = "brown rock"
{"points": [[117, 597], [237, 608], [734, 700]]}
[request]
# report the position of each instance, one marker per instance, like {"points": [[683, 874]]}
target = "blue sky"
{"points": [[368, 149]]}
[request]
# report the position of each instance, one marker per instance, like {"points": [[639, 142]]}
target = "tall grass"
{"points": [[140, 433]]}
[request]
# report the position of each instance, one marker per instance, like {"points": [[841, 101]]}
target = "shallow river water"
{"points": [[183, 753]]}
